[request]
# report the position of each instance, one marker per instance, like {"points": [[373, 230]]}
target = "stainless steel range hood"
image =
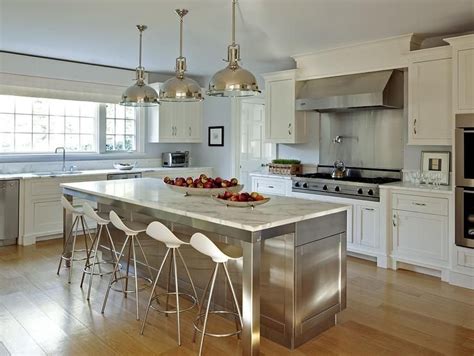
{"points": [[366, 91]]}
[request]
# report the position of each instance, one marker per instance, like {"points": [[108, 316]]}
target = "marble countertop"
{"points": [[89, 172], [425, 188], [152, 193], [269, 175]]}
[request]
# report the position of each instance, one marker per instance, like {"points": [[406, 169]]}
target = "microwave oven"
{"points": [[175, 159]]}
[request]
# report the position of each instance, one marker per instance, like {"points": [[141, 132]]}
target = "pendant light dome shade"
{"points": [[140, 94], [180, 88], [233, 80]]}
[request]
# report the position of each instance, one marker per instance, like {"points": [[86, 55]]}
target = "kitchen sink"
{"points": [[56, 173]]}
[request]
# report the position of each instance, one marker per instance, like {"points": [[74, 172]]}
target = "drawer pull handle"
{"points": [[271, 186], [394, 220], [369, 209], [419, 204]]}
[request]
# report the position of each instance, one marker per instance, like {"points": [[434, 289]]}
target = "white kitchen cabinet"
{"points": [[282, 123], [420, 230], [42, 210], [367, 222], [271, 185], [176, 123], [430, 116], [463, 73]]}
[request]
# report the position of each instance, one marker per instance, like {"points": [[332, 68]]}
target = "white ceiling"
{"points": [[269, 31]]}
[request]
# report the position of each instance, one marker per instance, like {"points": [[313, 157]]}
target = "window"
{"points": [[36, 125], [121, 128]]}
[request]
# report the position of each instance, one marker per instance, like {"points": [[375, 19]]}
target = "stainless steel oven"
{"points": [[464, 144], [464, 199], [465, 217]]}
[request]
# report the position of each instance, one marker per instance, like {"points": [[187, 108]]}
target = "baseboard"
{"points": [[419, 269], [461, 280], [362, 256]]}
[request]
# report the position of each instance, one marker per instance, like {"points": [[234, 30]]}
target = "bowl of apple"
{"points": [[203, 185], [241, 200]]}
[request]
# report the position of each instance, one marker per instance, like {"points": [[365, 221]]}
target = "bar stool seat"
{"points": [[102, 221], [131, 229], [160, 232], [220, 253], [78, 217]]}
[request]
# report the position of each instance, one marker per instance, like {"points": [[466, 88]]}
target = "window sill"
{"points": [[70, 156]]}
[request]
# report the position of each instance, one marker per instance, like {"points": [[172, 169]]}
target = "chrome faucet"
{"points": [[64, 156]]}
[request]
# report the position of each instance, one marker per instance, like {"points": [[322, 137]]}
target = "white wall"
{"points": [[217, 112]]}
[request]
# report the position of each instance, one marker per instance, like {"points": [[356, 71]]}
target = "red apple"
{"points": [[208, 185], [166, 179], [259, 197], [234, 181], [200, 185], [227, 194], [254, 195], [218, 180], [244, 196], [189, 180], [234, 198], [202, 176], [225, 184]]}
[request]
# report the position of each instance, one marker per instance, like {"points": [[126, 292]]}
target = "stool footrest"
{"points": [[148, 280], [172, 311], [201, 316], [87, 268]]}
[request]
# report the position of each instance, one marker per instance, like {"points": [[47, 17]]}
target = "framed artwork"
{"points": [[436, 162], [216, 136]]}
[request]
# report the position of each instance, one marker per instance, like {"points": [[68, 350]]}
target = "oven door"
{"points": [[464, 141], [465, 217]]}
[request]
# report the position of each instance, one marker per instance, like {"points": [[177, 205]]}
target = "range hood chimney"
{"points": [[366, 91]]}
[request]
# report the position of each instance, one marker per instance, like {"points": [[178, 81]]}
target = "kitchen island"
{"points": [[293, 273]]}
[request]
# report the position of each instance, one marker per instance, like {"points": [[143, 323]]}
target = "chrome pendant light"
{"points": [[140, 94], [233, 80], [180, 88]]}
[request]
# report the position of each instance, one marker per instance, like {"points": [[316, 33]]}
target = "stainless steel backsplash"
{"points": [[371, 139]]}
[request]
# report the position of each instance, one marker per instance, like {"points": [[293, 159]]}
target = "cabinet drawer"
{"points": [[420, 204], [270, 186], [466, 259]]}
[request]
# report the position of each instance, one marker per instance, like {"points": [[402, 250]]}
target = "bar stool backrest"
{"points": [[204, 245], [160, 232], [91, 213], [68, 206], [119, 224]]}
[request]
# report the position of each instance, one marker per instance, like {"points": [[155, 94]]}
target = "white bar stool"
{"points": [[160, 232], [220, 255], [89, 268], [131, 230], [78, 218]]}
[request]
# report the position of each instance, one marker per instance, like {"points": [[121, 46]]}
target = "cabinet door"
{"points": [[280, 111], [429, 105], [166, 122], [367, 225], [465, 80], [193, 121], [421, 237]]}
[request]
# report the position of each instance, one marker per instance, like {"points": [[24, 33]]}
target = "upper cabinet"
{"points": [[463, 73], [282, 123], [175, 122], [430, 97]]}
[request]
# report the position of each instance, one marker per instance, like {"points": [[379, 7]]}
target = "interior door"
{"points": [[254, 152]]}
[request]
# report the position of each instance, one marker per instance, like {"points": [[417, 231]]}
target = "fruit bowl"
{"points": [[240, 204], [124, 166], [204, 191]]}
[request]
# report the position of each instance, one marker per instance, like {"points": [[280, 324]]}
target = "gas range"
{"points": [[361, 183]]}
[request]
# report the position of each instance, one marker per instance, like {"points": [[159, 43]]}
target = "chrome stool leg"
{"points": [[171, 253], [206, 315], [66, 243]]}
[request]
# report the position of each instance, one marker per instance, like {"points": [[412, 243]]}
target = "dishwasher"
{"points": [[9, 196]]}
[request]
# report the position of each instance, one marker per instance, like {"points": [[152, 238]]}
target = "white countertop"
{"points": [[152, 193], [425, 188], [269, 175], [89, 172]]}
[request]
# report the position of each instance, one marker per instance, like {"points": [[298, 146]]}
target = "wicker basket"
{"points": [[285, 169]]}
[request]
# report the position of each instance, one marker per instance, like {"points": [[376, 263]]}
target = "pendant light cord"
{"points": [[234, 2], [180, 36]]}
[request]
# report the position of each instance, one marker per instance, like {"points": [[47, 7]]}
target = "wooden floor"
{"points": [[388, 313]]}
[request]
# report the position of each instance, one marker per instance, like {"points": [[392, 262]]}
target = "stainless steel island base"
{"points": [[293, 271]]}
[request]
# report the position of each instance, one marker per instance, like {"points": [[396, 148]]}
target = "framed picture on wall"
{"points": [[216, 136], [437, 163]]}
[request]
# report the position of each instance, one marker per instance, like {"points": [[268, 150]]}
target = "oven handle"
{"points": [[468, 191], [468, 130]]}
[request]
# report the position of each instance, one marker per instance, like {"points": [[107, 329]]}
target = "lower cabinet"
{"points": [[367, 223], [271, 185], [420, 233]]}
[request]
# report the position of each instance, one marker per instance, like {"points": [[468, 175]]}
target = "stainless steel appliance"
{"points": [[365, 91], [9, 195], [359, 183], [115, 176], [175, 159], [464, 199]]}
